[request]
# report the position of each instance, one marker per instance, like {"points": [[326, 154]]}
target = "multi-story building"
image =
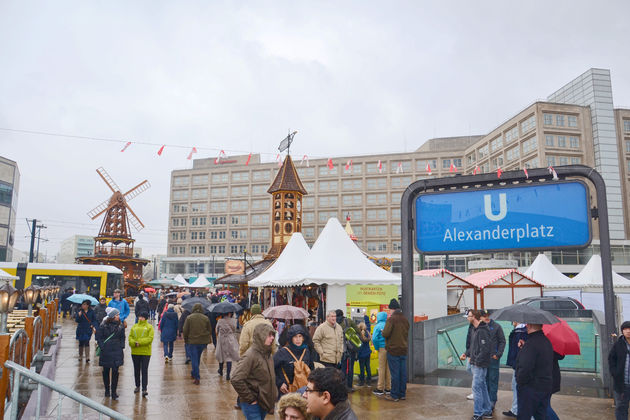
{"points": [[220, 208], [74, 247], [9, 187]]}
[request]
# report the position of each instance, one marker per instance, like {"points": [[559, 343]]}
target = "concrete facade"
{"points": [[9, 187], [74, 247]]}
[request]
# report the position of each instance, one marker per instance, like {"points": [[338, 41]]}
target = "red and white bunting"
{"points": [[476, 170], [192, 152], [279, 160], [161, 150], [380, 167], [248, 159], [304, 158], [553, 172], [330, 164], [221, 156], [452, 168], [399, 169], [428, 168], [526, 174], [499, 172], [126, 145], [349, 165]]}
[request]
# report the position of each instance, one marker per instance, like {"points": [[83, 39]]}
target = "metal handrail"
{"points": [[62, 390], [444, 331], [37, 335]]}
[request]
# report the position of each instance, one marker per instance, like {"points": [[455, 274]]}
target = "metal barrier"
{"points": [[18, 347], [452, 345], [37, 381]]}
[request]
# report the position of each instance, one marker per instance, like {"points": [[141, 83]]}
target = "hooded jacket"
{"points": [[377, 335], [328, 342], [479, 351], [254, 378], [247, 333], [617, 362], [122, 306], [396, 333], [283, 361], [197, 327], [141, 333], [168, 326], [110, 337]]}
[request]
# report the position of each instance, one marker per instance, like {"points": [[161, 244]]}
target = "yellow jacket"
{"points": [[141, 333]]}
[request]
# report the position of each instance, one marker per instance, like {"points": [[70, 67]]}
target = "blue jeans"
{"points": [[168, 349], [514, 408], [480, 390], [492, 380], [187, 349], [364, 368], [151, 313], [195, 353], [621, 403], [253, 411], [398, 371]]}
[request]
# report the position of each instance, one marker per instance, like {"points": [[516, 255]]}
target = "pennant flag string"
{"points": [[428, 168], [248, 159], [476, 170], [380, 166], [279, 159], [221, 156], [330, 164], [452, 168], [399, 169], [194, 150], [161, 150], [126, 145], [499, 172], [553, 172], [526, 174], [349, 165], [304, 158]]}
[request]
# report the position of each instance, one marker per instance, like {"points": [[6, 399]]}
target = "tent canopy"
{"points": [[285, 270], [543, 271], [6, 276], [452, 279], [336, 259], [486, 278], [591, 275], [181, 280], [201, 282]]}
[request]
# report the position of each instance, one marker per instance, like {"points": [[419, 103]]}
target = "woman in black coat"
{"points": [[110, 337], [283, 360]]}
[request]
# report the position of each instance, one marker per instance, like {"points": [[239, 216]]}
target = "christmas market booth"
{"points": [[438, 292], [491, 289]]}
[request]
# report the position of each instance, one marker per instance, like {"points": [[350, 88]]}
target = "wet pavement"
{"points": [[172, 394]]}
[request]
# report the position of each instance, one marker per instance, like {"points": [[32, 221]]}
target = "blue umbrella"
{"points": [[80, 297]]}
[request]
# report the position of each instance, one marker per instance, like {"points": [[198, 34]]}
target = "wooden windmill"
{"points": [[114, 243]]}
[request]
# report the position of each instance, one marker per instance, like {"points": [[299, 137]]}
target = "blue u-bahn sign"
{"points": [[525, 217]]}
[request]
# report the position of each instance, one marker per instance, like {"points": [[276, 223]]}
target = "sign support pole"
{"points": [[471, 182]]}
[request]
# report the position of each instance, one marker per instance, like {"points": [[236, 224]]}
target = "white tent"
{"points": [[543, 271], [336, 261], [6, 276], [591, 275], [286, 269], [181, 280], [201, 282]]}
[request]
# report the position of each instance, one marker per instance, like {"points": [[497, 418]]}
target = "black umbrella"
{"points": [[524, 314], [226, 308], [190, 302]]}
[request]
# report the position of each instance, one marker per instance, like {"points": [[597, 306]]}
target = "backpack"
{"points": [[300, 372], [351, 338]]}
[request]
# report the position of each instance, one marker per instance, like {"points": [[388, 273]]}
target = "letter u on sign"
{"points": [[487, 201]]}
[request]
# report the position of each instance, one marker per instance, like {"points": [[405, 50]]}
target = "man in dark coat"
{"points": [[100, 310], [517, 338], [66, 305], [480, 355], [497, 346], [168, 329], [142, 306], [619, 367], [180, 331], [349, 355], [153, 304], [534, 374]]}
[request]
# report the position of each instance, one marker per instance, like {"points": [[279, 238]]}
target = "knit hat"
{"points": [[256, 309], [626, 324], [393, 304], [111, 312]]}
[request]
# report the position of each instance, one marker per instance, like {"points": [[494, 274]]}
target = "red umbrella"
{"points": [[563, 339], [149, 289]]}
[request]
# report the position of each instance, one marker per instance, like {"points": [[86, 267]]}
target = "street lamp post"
{"points": [[31, 293], [8, 298]]}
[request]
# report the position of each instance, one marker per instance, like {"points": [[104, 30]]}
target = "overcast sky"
{"points": [[353, 77]]}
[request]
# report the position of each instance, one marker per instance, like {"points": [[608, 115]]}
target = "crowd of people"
{"points": [[302, 370]]}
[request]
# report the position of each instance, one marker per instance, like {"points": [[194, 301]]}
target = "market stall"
{"points": [[498, 288], [438, 292]]}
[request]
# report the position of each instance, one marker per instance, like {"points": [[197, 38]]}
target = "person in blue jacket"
{"points": [[168, 327], [86, 321], [121, 304], [365, 375], [384, 378]]}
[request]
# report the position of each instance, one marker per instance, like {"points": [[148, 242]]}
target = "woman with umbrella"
{"points": [[86, 321], [227, 345]]}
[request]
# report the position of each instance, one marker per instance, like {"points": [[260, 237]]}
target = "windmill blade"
{"points": [[134, 220], [98, 210], [137, 190], [108, 179]]}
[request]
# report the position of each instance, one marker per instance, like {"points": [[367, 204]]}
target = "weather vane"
{"points": [[286, 143]]}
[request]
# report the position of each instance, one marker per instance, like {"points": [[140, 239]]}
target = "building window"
{"points": [[528, 124], [377, 246], [382, 230], [355, 168], [309, 186], [560, 120], [496, 144], [551, 161], [309, 202], [182, 250], [306, 172], [328, 201], [233, 249], [396, 230], [548, 119], [511, 135], [482, 152], [405, 166], [563, 160], [457, 163], [549, 140], [325, 170], [352, 200], [372, 167], [470, 159], [421, 165], [238, 205], [193, 249], [376, 183], [562, 141], [174, 250], [512, 153], [199, 193], [396, 197], [376, 198], [218, 206], [325, 215], [240, 176], [309, 217], [194, 221], [193, 235], [396, 214], [572, 121], [200, 179], [199, 207], [574, 142], [626, 126], [328, 186], [261, 175], [180, 181], [220, 178], [351, 184], [239, 191], [529, 145], [396, 246], [627, 146], [218, 192], [576, 160], [497, 162], [446, 163], [179, 195], [259, 189], [401, 181]]}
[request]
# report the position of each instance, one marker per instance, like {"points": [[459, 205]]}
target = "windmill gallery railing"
{"points": [[27, 344]]}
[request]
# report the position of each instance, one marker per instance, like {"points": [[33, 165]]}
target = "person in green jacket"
{"points": [[197, 333], [140, 340]]}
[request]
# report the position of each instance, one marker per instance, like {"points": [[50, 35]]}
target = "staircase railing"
{"points": [[36, 381]]}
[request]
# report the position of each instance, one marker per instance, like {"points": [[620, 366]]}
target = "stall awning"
{"points": [[508, 276]]}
